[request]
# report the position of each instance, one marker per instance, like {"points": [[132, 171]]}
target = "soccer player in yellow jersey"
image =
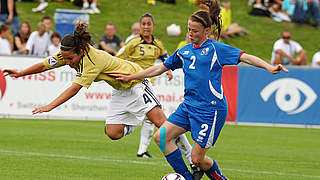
{"points": [[144, 49], [130, 102]]}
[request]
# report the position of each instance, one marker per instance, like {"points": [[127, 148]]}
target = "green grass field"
{"points": [[58, 149], [263, 31]]}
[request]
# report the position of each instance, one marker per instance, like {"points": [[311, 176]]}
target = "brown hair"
{"points": [[4, 27], [77, 41], [25, 36], [208, 15]]}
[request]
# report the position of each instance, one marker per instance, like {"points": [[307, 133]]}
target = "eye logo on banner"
{"points": [[288, 94], [3, 84]]}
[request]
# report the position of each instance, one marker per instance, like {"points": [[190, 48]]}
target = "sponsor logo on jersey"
{"points": [[3, 84], [205, 51], [185, 53], [52, 61], [289, 92]]}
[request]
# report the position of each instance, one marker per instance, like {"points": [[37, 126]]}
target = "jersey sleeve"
{"points": [[54, 61], [163, 52], [174, 61], [228, 55]]}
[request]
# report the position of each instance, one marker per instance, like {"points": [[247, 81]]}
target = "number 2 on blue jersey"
{"points": [[193, 59], [204, 129]]}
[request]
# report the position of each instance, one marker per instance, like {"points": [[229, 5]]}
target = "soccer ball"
{"points": [[173, 176]]}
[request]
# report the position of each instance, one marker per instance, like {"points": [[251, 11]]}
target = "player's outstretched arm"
{"points": [[255, 61], [63, 97], [36, 68], [149, 72]]}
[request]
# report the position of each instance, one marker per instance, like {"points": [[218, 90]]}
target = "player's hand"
{"points": [[42, 109], [11, 73], [169, 74], [276, 69], [121, 77]]}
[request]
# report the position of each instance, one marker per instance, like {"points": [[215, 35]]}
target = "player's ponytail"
{"points": [[208, 15], [78, 41]]}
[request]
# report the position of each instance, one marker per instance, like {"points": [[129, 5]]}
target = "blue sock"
{"points": [[177, 163], [214, 172]]}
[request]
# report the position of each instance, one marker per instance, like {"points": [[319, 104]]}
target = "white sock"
{"points": [[128, 129], [184, 146], [93, 5], [85, 5], [145, 136]]}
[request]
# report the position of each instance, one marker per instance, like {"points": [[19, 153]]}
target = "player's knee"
{"points": [[112, 134]]}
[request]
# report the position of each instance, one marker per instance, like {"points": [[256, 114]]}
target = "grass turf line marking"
{"points": [[142, 162]]}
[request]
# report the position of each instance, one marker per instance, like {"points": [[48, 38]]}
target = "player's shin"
{"points": [[145, 137]]}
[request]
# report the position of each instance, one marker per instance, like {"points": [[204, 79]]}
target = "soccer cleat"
{"points": [[144, 155], [40, 7], [197, 173], [95, 10]]}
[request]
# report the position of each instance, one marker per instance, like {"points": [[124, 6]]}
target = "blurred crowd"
{"points": [[17, 38]]}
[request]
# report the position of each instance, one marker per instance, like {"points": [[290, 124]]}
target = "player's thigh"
{"points": [[206, 127]]}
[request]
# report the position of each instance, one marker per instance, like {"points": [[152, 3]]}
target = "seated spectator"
{"points": [[39, 41], [55, 43], [229, 29], [47, 21], [316, 59], [110, 42], [9, 15], [304, 10], [6, 45], [135, 28], [92, 9], [285, 49], [21, 38]]}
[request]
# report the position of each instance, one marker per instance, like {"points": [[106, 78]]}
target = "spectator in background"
{"points": [[316, 59], [21, 38], [110, 42], [6, 45], [9, 15], [229, 29], [39, 41], [304, 10], [135, 28], [42, 5], [284, 51], [55, 43], [47, 21], [92, 8]]}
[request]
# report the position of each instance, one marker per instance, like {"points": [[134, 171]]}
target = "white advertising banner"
{"points": [[18, 97]]}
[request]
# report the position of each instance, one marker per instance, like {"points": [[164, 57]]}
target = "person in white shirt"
{"points": [[38, 42], [56, 42], [316, 59], [6, 45], [135, 30], [284, 51]]}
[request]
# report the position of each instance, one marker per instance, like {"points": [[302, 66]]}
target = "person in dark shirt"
{"points": [[9, 15], [110, 42]]}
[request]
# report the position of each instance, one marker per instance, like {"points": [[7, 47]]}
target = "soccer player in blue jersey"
{"points": [[204, 110]]}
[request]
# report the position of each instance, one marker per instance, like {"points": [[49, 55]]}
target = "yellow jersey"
{"points": [[95, 66], [225, 18], [144, 54]]}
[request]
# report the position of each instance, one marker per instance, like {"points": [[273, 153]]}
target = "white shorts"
{"points": [[130, 106]]}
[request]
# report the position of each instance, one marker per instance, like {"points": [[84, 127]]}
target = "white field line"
{"points": [[17, 153]]}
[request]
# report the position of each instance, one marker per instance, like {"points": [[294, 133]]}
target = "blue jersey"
{"points": [[202, 67]]}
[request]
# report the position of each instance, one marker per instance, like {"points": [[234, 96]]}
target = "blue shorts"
{"points": [[205, 126]]}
